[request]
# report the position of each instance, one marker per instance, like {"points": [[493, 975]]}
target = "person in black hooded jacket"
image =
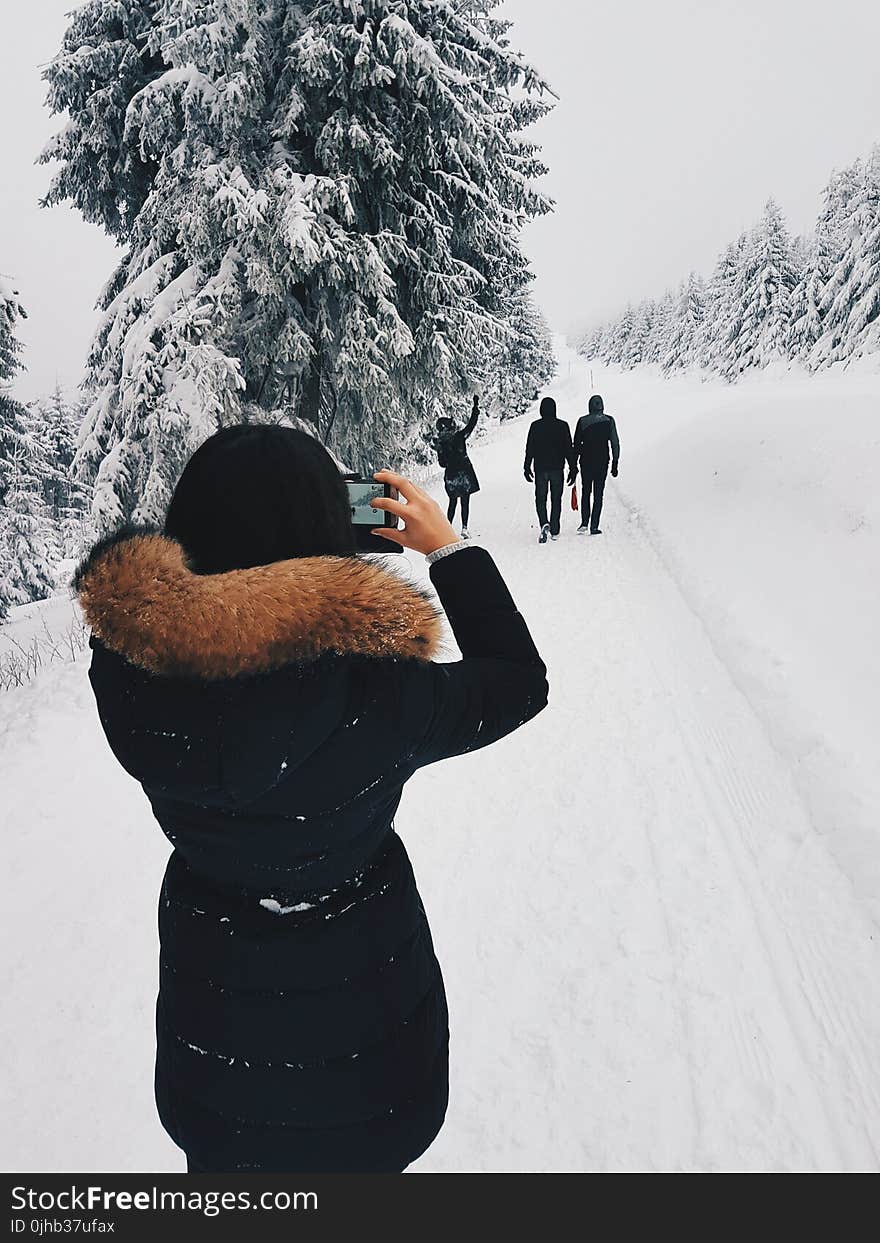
{"points": [[272, 693], [548, 452], [459, 477], [593, 434]]}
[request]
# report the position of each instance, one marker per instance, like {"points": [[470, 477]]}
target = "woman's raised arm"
{"points": [[475, 414], [501, 681]]}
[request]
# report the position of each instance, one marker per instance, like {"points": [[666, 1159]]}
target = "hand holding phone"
{"points": [[426, 528], [361, 492]]}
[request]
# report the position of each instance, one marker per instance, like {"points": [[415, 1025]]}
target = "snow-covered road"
{"points": [[653, 960]]}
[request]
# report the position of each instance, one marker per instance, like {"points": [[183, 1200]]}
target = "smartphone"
{"points": [[364, 518]]}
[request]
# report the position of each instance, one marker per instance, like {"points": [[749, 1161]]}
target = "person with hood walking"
{"points": [[272, 692], [593, 435], [548, 452], [460, 478]]}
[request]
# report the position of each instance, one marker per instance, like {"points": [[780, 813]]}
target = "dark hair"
{"points": [[548, 407], [258, 493]]}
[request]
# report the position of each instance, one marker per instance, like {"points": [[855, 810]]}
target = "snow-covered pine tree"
{"points": [[643, 320], [850, 305], [761, 297], [523, 364], [29, 551], [12, 413], [57, 421], [826, 250], [657, 341], [320, 204], [57, 426], [805, 319], [591, 343], [600, 341], [597, 343], [621, 335], [682, 341], [801, 249], [722, 316]]}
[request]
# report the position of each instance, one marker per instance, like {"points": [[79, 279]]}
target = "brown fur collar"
{"points": [[142, 600]]}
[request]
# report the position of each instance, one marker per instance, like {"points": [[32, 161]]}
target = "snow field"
{"points": [[671, 969], [658, 950]]}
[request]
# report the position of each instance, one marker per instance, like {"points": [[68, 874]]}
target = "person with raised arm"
{"points": [[459, 477]]}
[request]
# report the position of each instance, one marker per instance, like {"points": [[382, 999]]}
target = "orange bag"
{"points": [[574, 498]]}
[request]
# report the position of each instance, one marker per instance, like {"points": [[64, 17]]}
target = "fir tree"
{"points": [[320, 204], [656, 344], [621, 334], [521, 367], [724, 309], [826, 249], [805, 326], [591, 344], [684, 335], [850, 304], [759, 329], [12, 413], [57, 420], [29, 551], [635, 348]]}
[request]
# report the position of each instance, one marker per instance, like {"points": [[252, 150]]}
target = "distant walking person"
{"points": [[548, 452], [592, 436], [460, 477]]}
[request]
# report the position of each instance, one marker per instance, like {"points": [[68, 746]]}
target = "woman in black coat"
{"points": [[459, 478], [272, 693]]}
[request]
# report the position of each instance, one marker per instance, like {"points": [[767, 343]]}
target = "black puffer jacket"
{"points": [[272, 716], [459, 477]]}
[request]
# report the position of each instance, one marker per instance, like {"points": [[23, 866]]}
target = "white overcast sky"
{"points": [[677, 119]]}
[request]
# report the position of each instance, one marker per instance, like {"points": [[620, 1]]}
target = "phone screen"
{"points": [[359, 497]]}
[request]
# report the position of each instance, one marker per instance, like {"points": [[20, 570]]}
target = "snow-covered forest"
{"points": [[812, 300], [285, 257], [43, 508]]}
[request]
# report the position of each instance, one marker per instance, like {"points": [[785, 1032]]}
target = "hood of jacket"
{"points": [[597, 405], [142, 600]]}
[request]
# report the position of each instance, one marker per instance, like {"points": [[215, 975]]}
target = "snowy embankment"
{"points": [[652, 905], [764, 501]]}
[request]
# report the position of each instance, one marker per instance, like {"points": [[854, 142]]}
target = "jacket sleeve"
{"points": [[500, 682], [568, 447], [615, 444], [530, 449], [578, 443], [472, 422]]}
